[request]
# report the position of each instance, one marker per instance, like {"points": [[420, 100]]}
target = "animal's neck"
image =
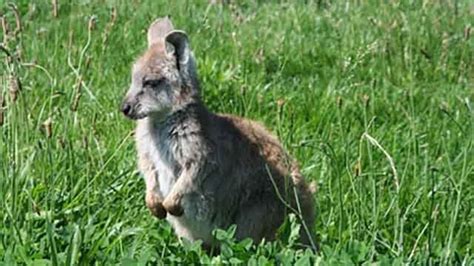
{"points": [[190, 118]]}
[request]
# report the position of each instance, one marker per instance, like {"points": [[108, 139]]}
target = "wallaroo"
{"points": [[205, 170]]}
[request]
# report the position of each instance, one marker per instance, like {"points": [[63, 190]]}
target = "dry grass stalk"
{"points": [[55, 8], [108, 28], [280, 103], [339, 101], [357, 168], [62, 142], [87, 64], [14, 87], [85, 142], [366, 100], [2, 107], [48, 127], [3, 22], [77, 95], [16, 13], [92, 23], [5, 50]]}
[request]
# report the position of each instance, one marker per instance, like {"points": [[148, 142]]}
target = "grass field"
{"points": [[375, 100]]}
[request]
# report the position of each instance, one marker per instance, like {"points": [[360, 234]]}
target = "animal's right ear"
{"points": [[158, 30], [184, 56]]}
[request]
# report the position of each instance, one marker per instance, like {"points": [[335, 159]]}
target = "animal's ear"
{"points": [[180, 46], [158, 30], [184, 56]]}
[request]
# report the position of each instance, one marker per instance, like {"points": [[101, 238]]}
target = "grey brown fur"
{"points": [[204, 170]]}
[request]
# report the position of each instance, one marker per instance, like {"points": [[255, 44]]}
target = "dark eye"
{"points": [[154, 83]]}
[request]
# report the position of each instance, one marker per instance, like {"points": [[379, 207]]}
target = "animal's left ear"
{"points": [[158, 30], [184, 56]]}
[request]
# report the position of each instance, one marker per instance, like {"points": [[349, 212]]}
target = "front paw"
{"points": [[155, 206], [173, 206]]}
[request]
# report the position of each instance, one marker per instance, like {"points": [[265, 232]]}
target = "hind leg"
{"points": [[262, 220], [259, 220]]}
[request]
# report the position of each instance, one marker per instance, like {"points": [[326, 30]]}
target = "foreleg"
{"points": [[153, 197]]}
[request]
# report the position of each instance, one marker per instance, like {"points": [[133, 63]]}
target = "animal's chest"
{"points": [[166, 167]]}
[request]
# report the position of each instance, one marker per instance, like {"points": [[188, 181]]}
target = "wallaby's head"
{"points": [[164, 78]]}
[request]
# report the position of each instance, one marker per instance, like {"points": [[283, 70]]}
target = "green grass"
{"points": [[374, 99]]}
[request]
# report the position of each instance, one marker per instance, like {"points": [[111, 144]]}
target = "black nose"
{"points": [[126, 108]]}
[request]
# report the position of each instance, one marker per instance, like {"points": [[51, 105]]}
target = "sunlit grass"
{"points": [[374, 99]]}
